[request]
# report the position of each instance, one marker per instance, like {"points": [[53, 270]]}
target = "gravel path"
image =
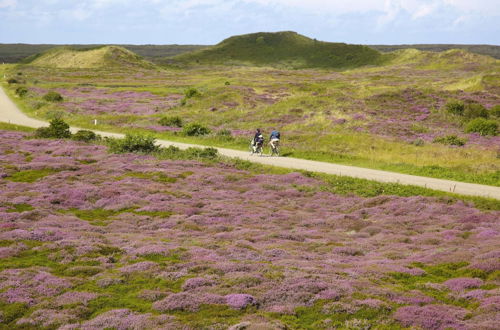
{"points": [[10, 113]]}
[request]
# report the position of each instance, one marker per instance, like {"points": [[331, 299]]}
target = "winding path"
{"points": [[10, 113]]}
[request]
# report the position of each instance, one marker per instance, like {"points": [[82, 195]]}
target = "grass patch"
{"points": [[210, 315], [30, 176], [22, 207], [317, 317]]}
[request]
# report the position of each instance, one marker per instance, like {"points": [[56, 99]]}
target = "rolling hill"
{"points": [[284, 49], [100, 57]]}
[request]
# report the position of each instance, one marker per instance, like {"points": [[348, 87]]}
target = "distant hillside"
{"points": [[447, 59], [288, 49], [489, 50], [13, 53], [107, 56]]}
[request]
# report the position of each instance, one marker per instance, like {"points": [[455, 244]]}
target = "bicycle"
{"points": [[275, 147]]}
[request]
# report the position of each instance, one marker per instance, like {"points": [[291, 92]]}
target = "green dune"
{"points": [[283, 49], [94, 58]]}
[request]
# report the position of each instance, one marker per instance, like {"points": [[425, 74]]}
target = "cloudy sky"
{"points": [[210, 21]]}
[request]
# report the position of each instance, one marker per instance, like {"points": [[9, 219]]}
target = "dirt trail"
{"points": [[10, 113]]}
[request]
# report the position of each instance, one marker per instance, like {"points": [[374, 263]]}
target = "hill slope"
{"points": [[288, 49], [107, 56]]}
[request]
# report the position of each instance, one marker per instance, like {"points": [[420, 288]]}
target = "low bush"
{"points": [[455, 107], [475, 110], [174, 121], [11, 81], [495, 111], [57, 129], [482, 126], [195, 129], [85, 136], [53, 97], [451, 140], [133, 143], [21, 91], [191, 92], [207, 153]]}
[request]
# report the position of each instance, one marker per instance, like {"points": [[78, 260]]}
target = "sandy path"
{"points": [[11, 114]]}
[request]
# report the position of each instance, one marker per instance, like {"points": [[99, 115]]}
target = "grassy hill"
{"points": [[100, 57], [13, 53], [489, 50], [286, 49], [443, 60]]}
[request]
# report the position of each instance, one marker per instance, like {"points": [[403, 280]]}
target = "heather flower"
{"points": [[473, 294], [432, 317], [187, 302], [74, 297], [196, 282], [462, 283], [239, 300], [139, 267], [46, 318]]}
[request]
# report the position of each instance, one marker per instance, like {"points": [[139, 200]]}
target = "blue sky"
{"points": [[210, 21]]}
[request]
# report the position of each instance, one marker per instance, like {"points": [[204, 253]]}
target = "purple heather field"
{"points": [[92, 240]]}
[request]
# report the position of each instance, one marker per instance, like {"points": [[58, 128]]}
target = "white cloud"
{"points": [[8, 3]]}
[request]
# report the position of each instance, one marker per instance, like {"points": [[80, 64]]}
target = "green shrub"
{"points": [[195, 129], [11, 81], [475, 110], [175, 121], [58, 129], [21, 91], [227, 83], [133, 143], [455, 107], [85, 136], [495, 111], [451, 140], [482, 126], [53, 97], [191, 92]]}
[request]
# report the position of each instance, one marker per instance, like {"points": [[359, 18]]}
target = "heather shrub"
{"points": [[431, 316], [133, 143], [495, 111], [451, 140], [195, 129], [58, 129], [53, 97], [85, 136], [455, 107], [21, 91], [482, 126], [475, 110], [174, 121]]}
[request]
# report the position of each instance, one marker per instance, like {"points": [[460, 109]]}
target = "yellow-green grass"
{"points": [[317, 93]]}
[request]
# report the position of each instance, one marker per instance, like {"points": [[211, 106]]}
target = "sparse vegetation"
{"points": [[53, 96], [85, 136], [474, 110], [482, 126], [451, 140], [21, 91], [133, 143], [195, 129], [57, 129], [455, 107], [174, 121]]}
